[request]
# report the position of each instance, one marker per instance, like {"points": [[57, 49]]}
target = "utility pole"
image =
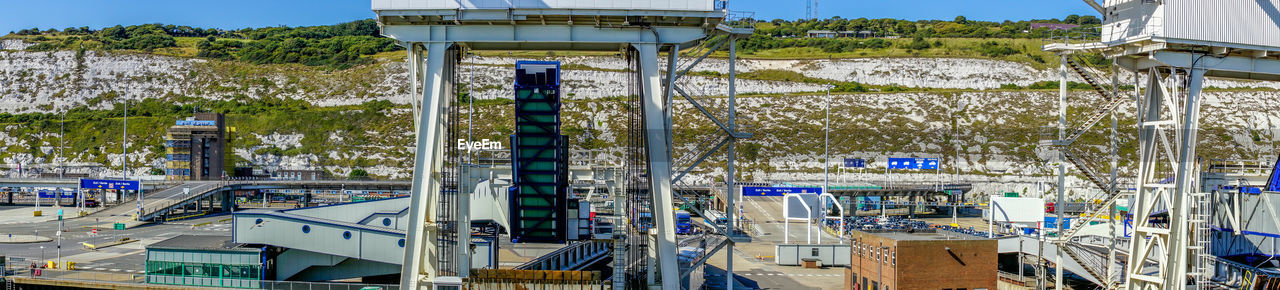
{"points": [[826, 165]]}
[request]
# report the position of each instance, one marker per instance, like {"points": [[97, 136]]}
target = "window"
{"points": [[814, 252]]}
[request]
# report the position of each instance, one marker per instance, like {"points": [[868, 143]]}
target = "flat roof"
{"points": [[922, 235], [199, 242]]}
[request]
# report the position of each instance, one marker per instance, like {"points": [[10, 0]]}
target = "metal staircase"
{"points": [[1064, 145], [1112, 101], [1095, 264], [1086, 170], [1091, 262], [1092, 213]]}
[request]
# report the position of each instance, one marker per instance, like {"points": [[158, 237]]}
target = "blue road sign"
{"points": [[777, 191], [855, 163], [903, 163], [110, 184], [929, 163], [913, 163], [44, 193]]}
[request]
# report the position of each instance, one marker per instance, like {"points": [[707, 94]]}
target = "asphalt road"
{"points": [[766, 212], [126, 258]]}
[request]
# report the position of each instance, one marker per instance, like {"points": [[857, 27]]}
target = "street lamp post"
{"points": [[826, 165], [62, 141]]}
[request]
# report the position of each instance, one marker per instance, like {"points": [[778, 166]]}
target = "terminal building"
{"points": [[208, 261], [921, 259], [195, 147]]}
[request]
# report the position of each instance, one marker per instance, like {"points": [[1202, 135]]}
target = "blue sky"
{"points": [[19, 14]]}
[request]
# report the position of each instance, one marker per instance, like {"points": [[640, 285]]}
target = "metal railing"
{"points": [[196, 192], [77, 275], [1075, 36], [132, 278], [740, 19], [294, 285]]}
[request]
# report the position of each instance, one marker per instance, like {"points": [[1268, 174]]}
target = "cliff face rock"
{"points": [[954, 112]]}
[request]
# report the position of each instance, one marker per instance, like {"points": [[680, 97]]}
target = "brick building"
{"points": [[921, 259]]}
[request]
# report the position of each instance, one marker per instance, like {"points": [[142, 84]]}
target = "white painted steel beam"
{"points": [[1096, 6], [1172, 242], [659, 151], [1238, 67], [419, 267], [545, 37]]}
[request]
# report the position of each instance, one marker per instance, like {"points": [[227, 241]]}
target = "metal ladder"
{"points": [[1203, 267], [619, 232]]}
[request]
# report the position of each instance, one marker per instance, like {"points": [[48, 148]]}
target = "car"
{"points": [[90, 203]]}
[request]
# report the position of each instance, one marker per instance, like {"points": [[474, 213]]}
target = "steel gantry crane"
{"points": [[437, 33], [1170, 47]]}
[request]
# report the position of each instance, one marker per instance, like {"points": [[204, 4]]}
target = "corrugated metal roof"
{"points": [[1247, 22]]}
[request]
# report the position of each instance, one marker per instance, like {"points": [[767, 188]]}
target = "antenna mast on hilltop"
{"points": [[808, 9]]}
